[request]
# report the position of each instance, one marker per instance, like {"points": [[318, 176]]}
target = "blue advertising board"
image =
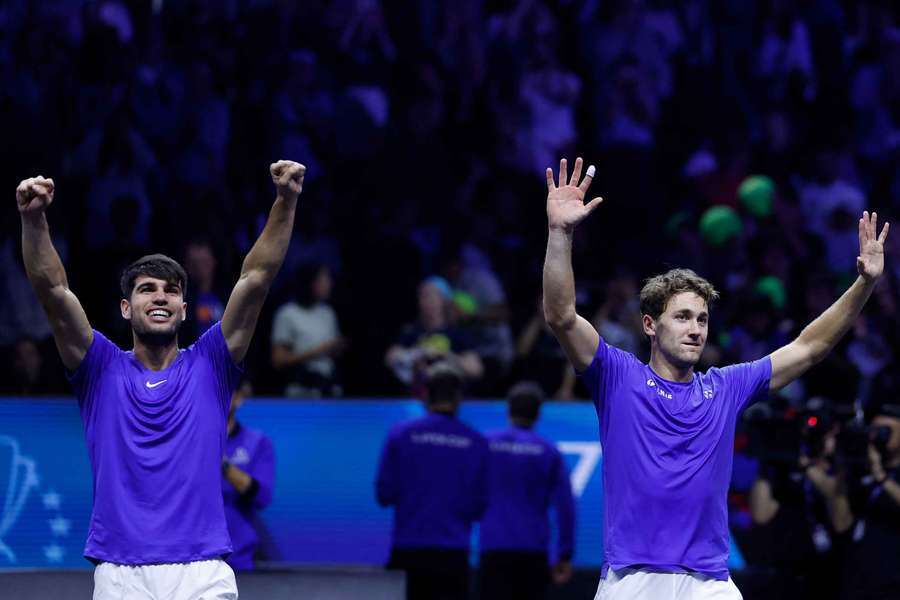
{"points": [[324, 509]]}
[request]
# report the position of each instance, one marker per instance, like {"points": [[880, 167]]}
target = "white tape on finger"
{"points": [[591, 170]]}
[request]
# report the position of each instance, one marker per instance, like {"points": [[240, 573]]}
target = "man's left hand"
{"points": [[287, 176], [870, 262]]}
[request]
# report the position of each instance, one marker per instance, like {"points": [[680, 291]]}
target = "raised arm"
{"points": [[263, 261], [71, 329], [819, 337], [565, 209]]}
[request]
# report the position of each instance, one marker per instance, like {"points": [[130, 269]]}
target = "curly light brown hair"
{"points": [[658, 290]]}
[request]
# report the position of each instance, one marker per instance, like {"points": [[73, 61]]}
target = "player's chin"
{"points": [[162, 329]]}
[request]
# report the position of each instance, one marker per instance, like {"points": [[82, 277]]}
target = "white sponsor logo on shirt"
{"points": [[150, 386], [441, 439], [240, 456], [517, 447]]}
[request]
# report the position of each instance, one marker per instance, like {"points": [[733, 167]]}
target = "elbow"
{"points": [[559, 321]]}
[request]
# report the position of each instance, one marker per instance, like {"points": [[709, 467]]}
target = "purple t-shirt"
{"points": [[155, 441], [527, 477], [433, 471], [251, 451], [667, 454]]}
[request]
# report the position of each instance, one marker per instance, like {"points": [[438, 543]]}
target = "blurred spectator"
{"points": [[432, 337], [158, 112], [31, 374], [21, 315], [306, 338], [248, 470], [831, 206], [618, 319], [792, 504], [433, 516], [480, 301], [872, 495], [527, 477], [206, 302], [540, 357], [785, 58]]}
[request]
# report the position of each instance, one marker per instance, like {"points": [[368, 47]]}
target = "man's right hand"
{"points": [[565, 204], [34, 195], [562, 572]]}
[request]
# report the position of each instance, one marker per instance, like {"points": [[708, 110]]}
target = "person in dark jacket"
{"points": [[527, 477], [433, 471]]}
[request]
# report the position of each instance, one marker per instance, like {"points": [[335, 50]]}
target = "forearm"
{"points": [[836, 501], [892, 489], [239, 479], [268, 252], [827, 329], [559, 280], [42, 263], [528, 337], [284, 357]]}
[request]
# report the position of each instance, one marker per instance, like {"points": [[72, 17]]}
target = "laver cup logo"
{"points": [[18, 477], [33, 529]]}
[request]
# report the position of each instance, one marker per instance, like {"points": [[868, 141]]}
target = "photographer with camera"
{"points": [[797, 511], [872, 499]]}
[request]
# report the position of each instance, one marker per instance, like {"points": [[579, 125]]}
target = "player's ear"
{"points": [[125, 307], [649, 325], [183, 311]]}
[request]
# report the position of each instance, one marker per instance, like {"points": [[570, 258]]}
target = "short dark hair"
{"points": [[525, 400], [444, 383], [658, 290], [304, 277], [159, 266]]}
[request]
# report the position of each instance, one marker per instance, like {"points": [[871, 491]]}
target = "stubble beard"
{"points": [[156, 338]]}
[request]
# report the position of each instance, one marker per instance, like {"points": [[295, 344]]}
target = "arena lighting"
{"points": [[812, 421]]}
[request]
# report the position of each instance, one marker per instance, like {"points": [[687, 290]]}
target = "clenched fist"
{"points": [[287, 176], [34, 195]]}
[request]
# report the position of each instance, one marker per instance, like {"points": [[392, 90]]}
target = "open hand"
{"points": [[870, 262], [34, 195], [565, 204], [287, 176]]}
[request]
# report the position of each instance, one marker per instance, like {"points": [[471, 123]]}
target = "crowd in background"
{"points": [[738, 139]]}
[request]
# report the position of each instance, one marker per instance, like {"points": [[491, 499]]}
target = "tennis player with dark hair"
{"points": [[667, 432], [527, 478], [433, 472], [155, 416]]}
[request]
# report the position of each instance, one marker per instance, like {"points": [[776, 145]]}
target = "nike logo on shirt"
{"points": [[153, 385]]}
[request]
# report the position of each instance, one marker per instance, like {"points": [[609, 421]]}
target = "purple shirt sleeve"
{"points": [[262, 470], [564, 504], [606, 370], [212, 345], [84, 379], [747, 382]]}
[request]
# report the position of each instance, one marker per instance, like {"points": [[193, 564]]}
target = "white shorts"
{"points": [[638, 584], [198, 580]]}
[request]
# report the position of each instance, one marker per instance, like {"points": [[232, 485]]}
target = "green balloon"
{"points": [[465, 302], [719, 224], [773, 288], [756, 193]]}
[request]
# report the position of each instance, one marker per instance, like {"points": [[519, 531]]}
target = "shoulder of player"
{"points": [[608, 349]]}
